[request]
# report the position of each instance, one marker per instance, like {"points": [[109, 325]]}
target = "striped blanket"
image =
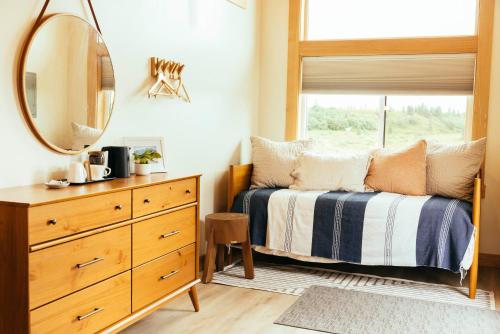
{"points": [[368, 228]]}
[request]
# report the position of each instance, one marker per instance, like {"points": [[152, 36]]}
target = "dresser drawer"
{"points": [[161, 235], [163, 196], [162, 276], [86, 311], [57, 220], [59, 270]]}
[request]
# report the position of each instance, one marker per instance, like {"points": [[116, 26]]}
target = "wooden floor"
{"points": [[235, 310]]}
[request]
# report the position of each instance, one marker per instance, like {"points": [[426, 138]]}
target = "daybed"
{"points": [[361, 228]]}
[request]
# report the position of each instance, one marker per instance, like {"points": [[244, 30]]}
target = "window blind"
{"points": [[107, 77], [451, 74]]}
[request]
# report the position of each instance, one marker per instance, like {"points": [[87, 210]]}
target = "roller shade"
{"points": [[401, 74], [107, 77]]}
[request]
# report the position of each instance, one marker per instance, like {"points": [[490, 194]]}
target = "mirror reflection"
{"points": [[68, 83]]}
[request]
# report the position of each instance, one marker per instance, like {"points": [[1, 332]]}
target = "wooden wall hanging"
{"points": [[169, 81]]}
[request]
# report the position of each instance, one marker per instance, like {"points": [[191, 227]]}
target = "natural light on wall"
{"points": [[354, 19]]}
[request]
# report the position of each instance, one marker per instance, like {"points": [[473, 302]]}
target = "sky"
{"points": [[348, 19]]}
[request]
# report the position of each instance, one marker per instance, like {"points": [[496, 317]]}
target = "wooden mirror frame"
{"points": [[21, 84]]}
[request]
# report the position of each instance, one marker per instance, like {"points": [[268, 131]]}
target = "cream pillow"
{"points": [[400, 172], [274, 161], [83, 136], [451, 168], [315, 171]]}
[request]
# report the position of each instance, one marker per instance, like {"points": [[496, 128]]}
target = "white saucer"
{"points": [[56, 184]]}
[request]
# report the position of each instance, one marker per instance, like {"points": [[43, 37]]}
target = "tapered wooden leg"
{"points": [[208, 268], [473, 272], [221, 249], [246, 253], [193, 294], [476, 219]]}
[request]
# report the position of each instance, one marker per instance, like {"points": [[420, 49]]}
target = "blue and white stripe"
{"points": [[365, 228]]}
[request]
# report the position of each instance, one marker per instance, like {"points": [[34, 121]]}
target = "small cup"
{"points": [[97, 158], [99, 172]]}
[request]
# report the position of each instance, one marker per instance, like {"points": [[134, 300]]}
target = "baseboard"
{"points": [[489, 260]]}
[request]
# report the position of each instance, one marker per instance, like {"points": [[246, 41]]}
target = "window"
{"points": [[346, 123], [355, 19], [440, 118], [343, 122]]}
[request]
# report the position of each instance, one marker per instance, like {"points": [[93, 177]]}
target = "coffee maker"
{"points": [[118, 160]]}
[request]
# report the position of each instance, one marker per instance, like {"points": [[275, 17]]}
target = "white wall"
{"points": [[273, 103], [273, 69], [216, 40]]}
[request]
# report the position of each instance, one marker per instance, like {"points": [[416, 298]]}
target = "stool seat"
{"points": [[227, 228]]}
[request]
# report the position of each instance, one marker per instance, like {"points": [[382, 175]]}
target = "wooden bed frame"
{"points": [[239, 180]]}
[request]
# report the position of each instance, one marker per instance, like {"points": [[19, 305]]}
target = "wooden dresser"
{"points": [[99, 257]]}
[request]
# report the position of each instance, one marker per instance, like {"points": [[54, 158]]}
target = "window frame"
{"points": [[298, 47]]}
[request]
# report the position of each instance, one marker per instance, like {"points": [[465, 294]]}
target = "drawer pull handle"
{"points": [[164, 236], [91, 313], [188, 191], [119, 207], [147, 201], [52, 222], [169, 275], [83, 265]]}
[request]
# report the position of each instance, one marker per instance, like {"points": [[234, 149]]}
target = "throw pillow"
{"points": [[274, 161], [315, 171], [402, 172], [451, 168], [83, 136]]}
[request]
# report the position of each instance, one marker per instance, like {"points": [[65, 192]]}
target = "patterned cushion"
{"points": [[451, 168], [274, 161]]}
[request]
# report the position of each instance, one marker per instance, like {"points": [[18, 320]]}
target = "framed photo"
{"points": [[141, 144]]}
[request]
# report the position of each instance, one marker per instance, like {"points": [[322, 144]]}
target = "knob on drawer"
{"points": [[147, 201], [188, 191], [52, 222], [119, 207]]}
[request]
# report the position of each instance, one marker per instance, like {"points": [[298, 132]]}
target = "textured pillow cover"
{"points": [[451, 168], [274, 161], [83, 135], [402, 172], [315, 171]]}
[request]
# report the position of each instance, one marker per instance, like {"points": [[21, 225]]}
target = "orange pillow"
{"points": [[402, 172]]}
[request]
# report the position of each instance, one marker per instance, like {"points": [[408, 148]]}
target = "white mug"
{"points": [[99, 172], [77, 173]]}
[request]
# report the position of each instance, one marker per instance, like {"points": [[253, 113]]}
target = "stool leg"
{"points": [[221, 249], [208, 269], [246, 252], [193, 294]]}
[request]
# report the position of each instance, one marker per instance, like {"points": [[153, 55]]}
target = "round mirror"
{"points": [[67, 83]]}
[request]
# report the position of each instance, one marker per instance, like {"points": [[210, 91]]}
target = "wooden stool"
{"points": [[226, 228]]}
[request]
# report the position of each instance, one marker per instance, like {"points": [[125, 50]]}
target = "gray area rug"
{"points": [[341, 311], [294, 280]]}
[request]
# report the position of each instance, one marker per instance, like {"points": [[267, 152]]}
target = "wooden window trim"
{"points": [[481, 44]]}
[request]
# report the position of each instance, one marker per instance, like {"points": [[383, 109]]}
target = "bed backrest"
{"points": [[239, 180]]}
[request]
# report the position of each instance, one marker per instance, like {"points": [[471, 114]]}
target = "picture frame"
{"points": [[137, 144]]}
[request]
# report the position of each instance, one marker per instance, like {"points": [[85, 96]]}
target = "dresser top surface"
{"points": [[38, 194]]}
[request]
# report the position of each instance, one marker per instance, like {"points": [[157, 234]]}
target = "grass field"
{"points": [[357, 130]]}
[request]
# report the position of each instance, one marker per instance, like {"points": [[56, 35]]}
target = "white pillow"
{"points": [[83, 135], [451, 169], [274, 161], [332, 172]]}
